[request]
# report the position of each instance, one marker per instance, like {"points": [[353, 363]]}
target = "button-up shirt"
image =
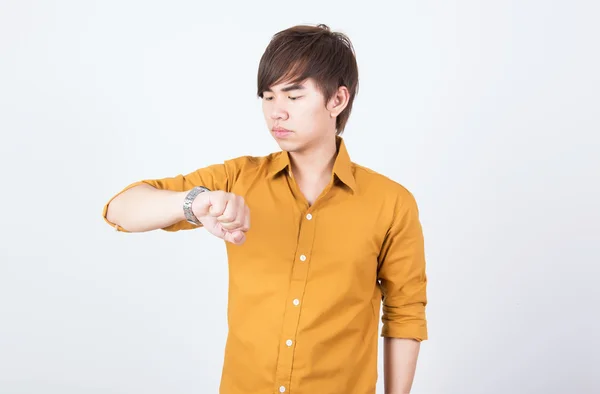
{"points": [[307, 287]]}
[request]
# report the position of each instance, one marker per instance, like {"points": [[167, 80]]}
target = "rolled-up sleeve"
{"points": [[214, 177], [402, 273]]}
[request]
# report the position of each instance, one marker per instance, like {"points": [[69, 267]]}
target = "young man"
{"points": [[329, 240]]}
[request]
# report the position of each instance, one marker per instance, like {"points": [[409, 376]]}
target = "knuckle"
{"points": [[229, 216]]}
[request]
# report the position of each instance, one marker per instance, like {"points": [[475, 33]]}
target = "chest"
{"points": [[334, 239]]}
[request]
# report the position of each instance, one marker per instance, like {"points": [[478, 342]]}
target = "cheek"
{"points": [[266, 113], [312, 114]]}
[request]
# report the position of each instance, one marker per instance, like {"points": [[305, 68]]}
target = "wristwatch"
{"points": [[187, 204]]}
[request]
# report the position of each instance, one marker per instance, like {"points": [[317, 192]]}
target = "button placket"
{"points": [[299, 276]]}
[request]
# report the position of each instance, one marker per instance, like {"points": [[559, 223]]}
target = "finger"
{"points": [[235, 237], [233, 216], [233, 226], [218, 203], [246, 220], [229, 213], [241, 212]]}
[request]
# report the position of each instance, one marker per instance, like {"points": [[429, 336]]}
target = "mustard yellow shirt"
{"points": [[305, 289]]}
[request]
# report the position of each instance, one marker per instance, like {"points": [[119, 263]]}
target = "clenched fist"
{"points": [[223, 214]]}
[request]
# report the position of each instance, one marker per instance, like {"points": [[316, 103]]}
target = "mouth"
{"points": [[281, 132]]}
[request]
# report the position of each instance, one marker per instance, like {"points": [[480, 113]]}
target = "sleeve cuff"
{"points": [[105, 209], [416, 331]]}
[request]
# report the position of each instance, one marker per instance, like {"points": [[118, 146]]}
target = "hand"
{"points": [[223, 214]]}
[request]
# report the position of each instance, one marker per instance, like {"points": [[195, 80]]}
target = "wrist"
{"points": [[178, 200], [190, 204]]}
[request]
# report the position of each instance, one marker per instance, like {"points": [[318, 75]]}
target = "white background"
{"points": [[486, 110]]}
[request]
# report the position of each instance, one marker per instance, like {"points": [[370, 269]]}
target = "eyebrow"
{"points": [[295, 86]]}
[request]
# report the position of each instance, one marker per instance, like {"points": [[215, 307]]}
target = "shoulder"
{"points": [[248, 166], [249, 163], [395, 203], [373, 182]]}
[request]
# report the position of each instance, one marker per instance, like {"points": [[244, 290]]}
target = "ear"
{"points": [[338, 101]]}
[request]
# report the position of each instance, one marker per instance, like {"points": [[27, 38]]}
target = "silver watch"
{"points": [[187, 204]]}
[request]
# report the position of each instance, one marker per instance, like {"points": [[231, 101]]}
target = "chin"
{"points": [[285, 145], [288, 145]]}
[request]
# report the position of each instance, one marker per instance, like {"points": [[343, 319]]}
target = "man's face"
{"points": [[299, 108]]}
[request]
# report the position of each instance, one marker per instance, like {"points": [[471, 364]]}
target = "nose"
{"points": [[278, 112]]}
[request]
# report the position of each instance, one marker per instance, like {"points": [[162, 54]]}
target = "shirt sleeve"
{"points": [[402, 274], [214, 177]]}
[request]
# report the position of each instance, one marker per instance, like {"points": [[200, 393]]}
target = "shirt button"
{"points": [[309, 216], [302, 257], [296, 302], [289, 342], [282, 389]]}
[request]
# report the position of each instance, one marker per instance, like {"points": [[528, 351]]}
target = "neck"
{"points": [[316, 162]]}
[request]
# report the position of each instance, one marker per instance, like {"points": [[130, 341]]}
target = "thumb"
{"points": [[236, 237]]}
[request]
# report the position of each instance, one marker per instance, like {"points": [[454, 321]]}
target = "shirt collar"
{"points": [[342, 166]]}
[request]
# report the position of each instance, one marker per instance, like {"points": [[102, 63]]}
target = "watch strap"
{"points": [[187, 204]]}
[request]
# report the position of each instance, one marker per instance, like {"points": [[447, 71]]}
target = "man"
{"points": [[329, 239]]}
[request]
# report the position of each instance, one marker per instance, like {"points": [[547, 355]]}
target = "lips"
{"points": [[280, 132]]}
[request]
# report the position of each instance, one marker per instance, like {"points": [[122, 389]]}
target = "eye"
{"points": [[294, 98], [268, 98]]}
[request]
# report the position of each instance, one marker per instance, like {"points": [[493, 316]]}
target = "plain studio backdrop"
{"points": [[486, 111]]}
